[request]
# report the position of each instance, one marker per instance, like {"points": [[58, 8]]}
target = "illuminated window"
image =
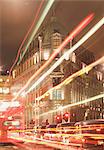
{"points": [[46, 54], [14, 74], [34, 59], [7, 80], [57, 94], [1, 80], [37, 56], [5, 90]]}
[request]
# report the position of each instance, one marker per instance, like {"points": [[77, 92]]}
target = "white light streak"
{"points": [[76, 104], [4, 105], [73, 76], [79, 43]]}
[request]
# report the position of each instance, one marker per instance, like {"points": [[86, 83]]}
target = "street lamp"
{"points": [[1, 69]]}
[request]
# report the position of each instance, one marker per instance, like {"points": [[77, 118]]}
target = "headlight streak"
{"points": [[65, 129], [89, 67], [72, 77], [49, 143], [75, 104], [59, 135], [79, 43], [64, 137], [77, 30]]}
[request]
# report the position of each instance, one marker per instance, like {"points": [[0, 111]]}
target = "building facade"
{"points": [[85, 86], [5, 84]]}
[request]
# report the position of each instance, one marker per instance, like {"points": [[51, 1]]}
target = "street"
{"points": [[29, 146], [52, 74]]}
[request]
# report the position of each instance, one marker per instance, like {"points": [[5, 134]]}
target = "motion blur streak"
{"points": [[70, 78], [49, 143], [34, 21], [79, 43], [67, 129], [20, 145], [90, 134], [76, 104], [85, 22], [39, 22]]}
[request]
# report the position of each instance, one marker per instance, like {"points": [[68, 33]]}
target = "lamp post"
{"points": [[0, 69]]}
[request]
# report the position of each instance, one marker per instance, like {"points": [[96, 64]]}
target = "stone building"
{"points": [[42, 46], [5, 84]]}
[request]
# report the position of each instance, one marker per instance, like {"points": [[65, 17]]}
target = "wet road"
{"points": [[9, 148], [29, 146]]}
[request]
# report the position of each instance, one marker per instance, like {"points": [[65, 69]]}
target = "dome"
{"points": [[52, 27]]}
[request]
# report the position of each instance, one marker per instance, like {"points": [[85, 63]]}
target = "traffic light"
{"points": [[58, 119], [66, 116]]}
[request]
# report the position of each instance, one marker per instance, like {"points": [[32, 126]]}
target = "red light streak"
{"points": [[54, 144], [73, 76], [76, 31], [75, 139], [73, 34]]}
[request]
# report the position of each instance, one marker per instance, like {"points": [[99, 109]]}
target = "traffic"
{"points": [[84, 134]]}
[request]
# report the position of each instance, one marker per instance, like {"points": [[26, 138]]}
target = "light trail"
{"points": [[39, 22], [65, 129], [55, 144], [19, 144], [69, 79], [75, 104], [66, 132], [72, 77], [65, 135], [77, 30], [31, 27], [79, 43]]}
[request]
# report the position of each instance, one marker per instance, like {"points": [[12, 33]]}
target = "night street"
{"points": [[51, 74]]}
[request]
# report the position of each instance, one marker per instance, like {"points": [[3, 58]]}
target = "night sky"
{"points": [[16, 17]]}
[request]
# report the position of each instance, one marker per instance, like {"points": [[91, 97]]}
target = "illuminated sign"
{"points": [[7, 123]]}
